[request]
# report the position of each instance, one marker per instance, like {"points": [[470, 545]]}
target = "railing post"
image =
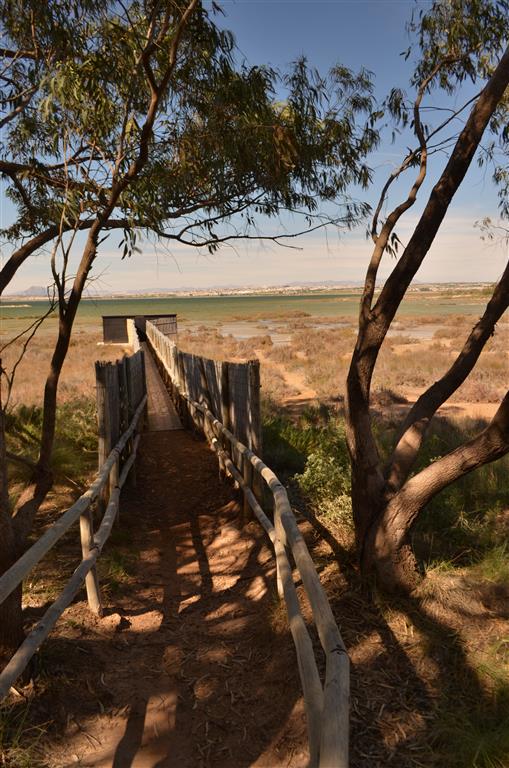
{"points": [[91, 579], [225, 396], [184, 411], [143, 384], [204, 398], [112, 385], [247, 474], [253, 400], [224, 390], [103, 425]]}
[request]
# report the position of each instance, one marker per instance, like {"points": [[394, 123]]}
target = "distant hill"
{"points": [[40, 291], [34, 290]]}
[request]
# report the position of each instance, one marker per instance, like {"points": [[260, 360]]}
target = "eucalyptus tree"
{"points": [[459, 40], [136, 116]]}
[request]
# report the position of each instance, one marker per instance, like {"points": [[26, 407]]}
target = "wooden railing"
{"points": [[106, 487], [327, 705], [232, 390]]}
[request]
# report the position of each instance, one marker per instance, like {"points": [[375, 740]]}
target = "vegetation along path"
{"points": [[195, 666]]}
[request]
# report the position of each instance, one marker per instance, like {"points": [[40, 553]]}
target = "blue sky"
{"points": [[369, 34]]}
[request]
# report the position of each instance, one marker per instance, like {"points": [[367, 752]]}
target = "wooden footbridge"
{"points": [[173, 391], [161, 412]]}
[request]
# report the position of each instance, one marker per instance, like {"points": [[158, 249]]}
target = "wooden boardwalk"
{"points": [[161, 413]]}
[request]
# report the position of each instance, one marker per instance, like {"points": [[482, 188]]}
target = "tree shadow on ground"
{"points": [[417, 696], [192, 666], [158, 689]]}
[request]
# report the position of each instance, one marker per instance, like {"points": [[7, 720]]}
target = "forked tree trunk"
{"points": [[386, 553], [386, 500]]}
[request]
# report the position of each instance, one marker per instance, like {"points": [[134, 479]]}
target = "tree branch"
{"points": [[382, 239], [19, 256], [491, 444], [19, 108], [21, 460], [7, 53], [443, 192], [415, 426]]}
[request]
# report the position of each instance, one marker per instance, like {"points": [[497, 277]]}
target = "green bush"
{"points": [[458, 525], [325, 480], [312, 451], [286, 445]]}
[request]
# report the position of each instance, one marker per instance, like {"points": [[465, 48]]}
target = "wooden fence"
{"points": [[230, 390], [119, 414], [327, 704], [120, 387]]}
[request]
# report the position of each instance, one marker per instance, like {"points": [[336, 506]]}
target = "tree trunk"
{"points": [[11, 620], [11, 614], [386, 552], [385, 502]]}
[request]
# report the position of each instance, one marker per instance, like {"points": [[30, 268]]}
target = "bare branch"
{"points": [[27, 330], [33, 330], [441, 195], [18, 257], [226, 238], [382, 239]]}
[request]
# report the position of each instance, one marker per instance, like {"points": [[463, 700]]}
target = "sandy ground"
{"points": [[457, 408]]}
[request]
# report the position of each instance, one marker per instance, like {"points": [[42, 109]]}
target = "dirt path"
{"points": [[299, 393], [194, 665]]}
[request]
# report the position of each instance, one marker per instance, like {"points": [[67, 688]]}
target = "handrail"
{"points": [[22, 567], [19, 570], [327, 707]]}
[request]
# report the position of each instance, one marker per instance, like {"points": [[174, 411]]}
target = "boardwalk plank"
{"points": [[162, 415]]}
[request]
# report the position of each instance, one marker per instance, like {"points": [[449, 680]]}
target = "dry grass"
{"points": [[319, 354], [78, 374], [420, 364], [406, 365], [210, 343]]}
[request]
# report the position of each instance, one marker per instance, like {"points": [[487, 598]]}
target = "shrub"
{"points": [[325, 480], [314, 451]]}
